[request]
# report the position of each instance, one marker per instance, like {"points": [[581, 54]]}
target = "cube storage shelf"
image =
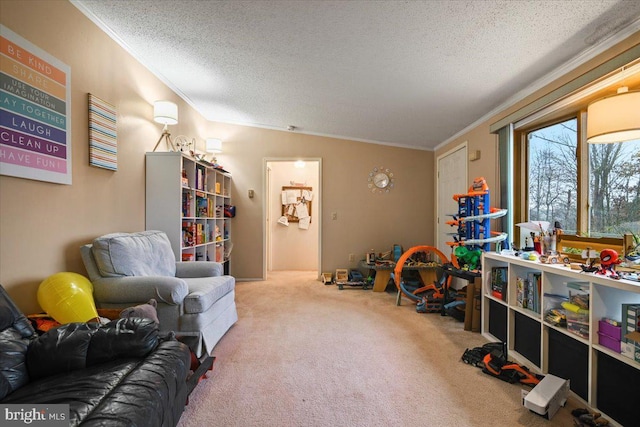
{"points": [[602, 378], [186, 198]]}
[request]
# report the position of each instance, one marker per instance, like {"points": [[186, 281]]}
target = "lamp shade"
{"points": [[213, 145], [615, 118], [165, 112]]}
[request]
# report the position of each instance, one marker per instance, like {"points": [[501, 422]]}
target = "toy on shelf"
{"points": [[608, 261], [473, 221], [590, 255]]}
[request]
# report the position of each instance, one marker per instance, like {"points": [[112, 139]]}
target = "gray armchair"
{"points": [[195, 299]]}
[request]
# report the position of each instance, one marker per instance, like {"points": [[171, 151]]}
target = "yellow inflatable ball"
{"points": [[67, 297]]}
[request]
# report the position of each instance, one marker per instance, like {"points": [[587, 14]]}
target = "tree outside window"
{"points": [[553, 180], [553, 174], [614, 187]]}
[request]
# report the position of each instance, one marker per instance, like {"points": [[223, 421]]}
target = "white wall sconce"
{"points": [[166, 113], [213, 146], [615, 118]]}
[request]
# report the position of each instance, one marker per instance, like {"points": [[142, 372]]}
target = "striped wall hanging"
{"points": [[103, 144]]}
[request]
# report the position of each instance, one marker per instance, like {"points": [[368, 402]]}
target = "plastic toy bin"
{"points": [[578, 323], [609, 335], [607, 328], [609, 342]]}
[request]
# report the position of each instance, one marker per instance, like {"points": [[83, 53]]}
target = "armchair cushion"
{"points": [[122, 291], [187, 270], [204, 292], [146, 253]]}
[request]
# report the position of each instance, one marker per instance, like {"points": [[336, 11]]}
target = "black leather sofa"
{"points": [[119, 374]]}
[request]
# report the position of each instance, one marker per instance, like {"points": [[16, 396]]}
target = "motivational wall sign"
{"points": [[35, 112]]}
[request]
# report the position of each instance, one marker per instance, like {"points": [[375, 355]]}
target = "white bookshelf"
{"points": [[547, 348], [189, 211]]}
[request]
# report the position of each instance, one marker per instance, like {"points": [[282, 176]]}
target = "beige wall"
{"points": [[42, 225], [365, 220]]}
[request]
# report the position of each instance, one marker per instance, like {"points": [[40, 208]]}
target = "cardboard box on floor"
{"points": [[473, 304]]}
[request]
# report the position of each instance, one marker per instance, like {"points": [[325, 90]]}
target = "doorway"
{"points": [[291, 243], [452, 179]]}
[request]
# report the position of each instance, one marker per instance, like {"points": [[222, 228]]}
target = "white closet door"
{"points": [[452, 179]]}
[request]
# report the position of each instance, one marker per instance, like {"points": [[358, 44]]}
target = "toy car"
{"points": [[326, 278], [554, 258]]}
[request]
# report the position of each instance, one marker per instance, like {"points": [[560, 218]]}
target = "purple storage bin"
{"points": [[614, 332], [609, 342]]}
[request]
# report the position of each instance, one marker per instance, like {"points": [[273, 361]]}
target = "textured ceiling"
{"points": [[405, 73]]}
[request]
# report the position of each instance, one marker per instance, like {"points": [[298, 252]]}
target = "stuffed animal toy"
{"points": [[147, 311]]}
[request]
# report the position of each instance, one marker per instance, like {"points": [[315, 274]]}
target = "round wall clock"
{"points": [[380, 180]]}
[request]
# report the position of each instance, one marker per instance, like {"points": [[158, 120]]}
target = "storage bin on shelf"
{"points": [[554, 314], [577, 309], [578, 323], [609, 335]]}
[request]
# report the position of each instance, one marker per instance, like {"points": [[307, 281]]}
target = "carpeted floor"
{"points": [[307, 354]]}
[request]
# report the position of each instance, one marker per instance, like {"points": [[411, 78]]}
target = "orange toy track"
{"points": [[397, 271]]}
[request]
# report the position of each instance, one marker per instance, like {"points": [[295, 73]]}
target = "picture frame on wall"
{"points": [[103, 138], [35, 112]]}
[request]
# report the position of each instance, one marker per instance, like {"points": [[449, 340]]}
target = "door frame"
{"points": [[317, 198]]}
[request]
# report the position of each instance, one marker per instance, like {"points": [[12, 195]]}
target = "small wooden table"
{"points": [[428, 273]]}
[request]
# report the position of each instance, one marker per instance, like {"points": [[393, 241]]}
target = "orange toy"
{"points": [[397, 273]]}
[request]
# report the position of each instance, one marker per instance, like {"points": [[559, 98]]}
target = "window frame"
{"points": [[521, 176]]}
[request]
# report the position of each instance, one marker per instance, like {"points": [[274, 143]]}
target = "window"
{"points": [[553, 174], [609, 205], [614, 188]]}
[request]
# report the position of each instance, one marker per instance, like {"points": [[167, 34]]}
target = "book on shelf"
{"points": [[188, 234], [535, 289], [521, 299], [499, 283], [202, 206], [200, 185], [199, 234], [184, 180], [187, 210], [219, 253], [528, 291]]}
